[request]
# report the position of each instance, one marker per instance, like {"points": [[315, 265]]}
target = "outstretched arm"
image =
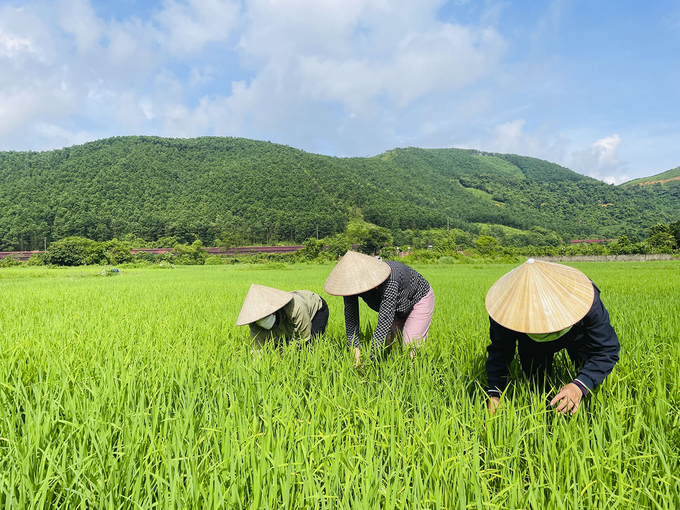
{"points": [[388, 308], [501, 351], [352, 321], [600, 348]]}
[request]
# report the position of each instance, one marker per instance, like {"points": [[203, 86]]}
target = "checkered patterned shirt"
{"points": [[396, 295]]}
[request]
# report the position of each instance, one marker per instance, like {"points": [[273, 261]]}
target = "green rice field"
{"points": [[137, 391]]}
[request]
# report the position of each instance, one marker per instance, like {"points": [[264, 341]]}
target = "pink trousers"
{"points": [[416, 326]]}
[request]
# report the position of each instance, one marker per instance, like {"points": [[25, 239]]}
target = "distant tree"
{"points": [[659, 228], [311, 249], [357, 231], [622, 246], [662, 241], [624, 241], [133, 241], [674, 229], [37, 259], [452, 240], [166, 242], [175, 188], [191, 255], [117, 252], [9, 261], [486, 244], [660, 238], [337, 246], [377, 239], [70, 251]]}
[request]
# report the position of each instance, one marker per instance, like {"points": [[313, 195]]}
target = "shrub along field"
{"points": [[137, 391]]}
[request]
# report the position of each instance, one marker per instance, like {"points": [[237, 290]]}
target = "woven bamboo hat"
{"points": [[356, 273], [260, 302], [540, 297]]}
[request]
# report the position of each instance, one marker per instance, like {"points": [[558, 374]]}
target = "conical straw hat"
{"points": [[356, 273], [260, 302], [540, 297]]}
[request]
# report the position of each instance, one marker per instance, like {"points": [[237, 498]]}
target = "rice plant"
{"points": [[137, 391]]}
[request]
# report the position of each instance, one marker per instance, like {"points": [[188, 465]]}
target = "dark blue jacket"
{"points": [[593, 337]]}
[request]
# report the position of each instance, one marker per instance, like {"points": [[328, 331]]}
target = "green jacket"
{"points": [[293, 321]]}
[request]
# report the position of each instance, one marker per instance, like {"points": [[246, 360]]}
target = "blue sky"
{"points": [[592, 85]]}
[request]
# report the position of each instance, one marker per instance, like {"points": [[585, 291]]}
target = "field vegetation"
{"points": [[136, 390]]}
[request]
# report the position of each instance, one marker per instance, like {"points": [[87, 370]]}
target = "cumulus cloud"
{"points": [[131, 111], [60, 61], [356, 51], [12, 46], [33, 86], [337, 76], [343, 76], [52, 135], [601, 160], [444, 59], [511, 137]]}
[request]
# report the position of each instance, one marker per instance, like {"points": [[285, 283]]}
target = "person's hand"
{"points": [[569, 398], [357, 358], [493, 405]]}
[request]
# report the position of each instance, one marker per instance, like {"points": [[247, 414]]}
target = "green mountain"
{"points": [[263, 192], [668, 178]]}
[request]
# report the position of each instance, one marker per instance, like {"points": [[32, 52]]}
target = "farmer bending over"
{"points": [[544, 308], [279, 316], [401, 296]]}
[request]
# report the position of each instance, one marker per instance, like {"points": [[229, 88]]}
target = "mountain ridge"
{"points": [[669, 176], [264, 192]]}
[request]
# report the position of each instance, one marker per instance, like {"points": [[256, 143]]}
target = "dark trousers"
{"points": [[536, 358], [320, 320]]}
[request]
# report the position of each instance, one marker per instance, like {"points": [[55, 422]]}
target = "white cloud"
{"points": [[25, 39], [12, 46], [132, 55], [601, 160], [354, 52], [32, 87], [616, 179], [131, 112], [510, 137], [189, 25], [375, 58], [52, 136], [445, 59]]}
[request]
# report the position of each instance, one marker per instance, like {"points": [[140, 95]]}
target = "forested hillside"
{"points": [[669, 178], [257, 192]]}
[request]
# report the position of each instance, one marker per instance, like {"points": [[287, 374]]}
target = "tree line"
{"points": [[490, 241]]}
